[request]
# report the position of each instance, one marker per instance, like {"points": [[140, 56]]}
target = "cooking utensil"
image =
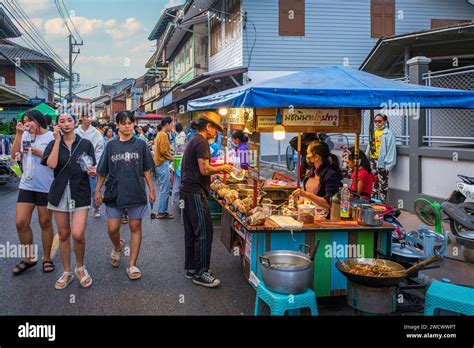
{"points": [[288, 272], [382, 281], [402, 252], [369, 217]]}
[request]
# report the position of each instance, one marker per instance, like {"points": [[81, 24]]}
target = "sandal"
{"points": [[61, 283], [115, 255], [48, 266], [84, 279], [165, 216], [23, 267], [134, 273]]}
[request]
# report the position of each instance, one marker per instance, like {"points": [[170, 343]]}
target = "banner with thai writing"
{"points": [[311, 117]]}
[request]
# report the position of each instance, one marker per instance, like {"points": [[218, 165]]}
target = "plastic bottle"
{"points": [[345, 204]]}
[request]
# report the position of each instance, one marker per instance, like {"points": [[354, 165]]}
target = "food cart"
{"points": [[319, 100]]}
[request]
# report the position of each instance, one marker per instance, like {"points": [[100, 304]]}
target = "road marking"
{"points": [[55, 246]]}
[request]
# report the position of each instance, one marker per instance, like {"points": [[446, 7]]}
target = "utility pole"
{"points": [[71, 52]]}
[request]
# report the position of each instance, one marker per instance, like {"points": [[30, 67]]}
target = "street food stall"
{"points": [[259, 214]]}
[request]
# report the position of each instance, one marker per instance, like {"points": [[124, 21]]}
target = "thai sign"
{"points": [[311, 117], [266, 121], [239, 116]]}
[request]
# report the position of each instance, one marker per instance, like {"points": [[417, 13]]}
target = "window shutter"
{"points": [[376, 18], [8, 72], [295, 26], [388, 18]]}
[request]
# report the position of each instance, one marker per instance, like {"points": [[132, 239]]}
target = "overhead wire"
{"points": [[37, 34], [72, 22]]}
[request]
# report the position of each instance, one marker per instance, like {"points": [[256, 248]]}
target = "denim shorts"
{"points": [[136, 213]]}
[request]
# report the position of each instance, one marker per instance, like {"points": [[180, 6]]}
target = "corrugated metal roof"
{"points": [[162, 23], [7, 28], [14, 51]]}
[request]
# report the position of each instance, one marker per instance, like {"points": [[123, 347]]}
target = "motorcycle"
{"points": [[459, 207]]}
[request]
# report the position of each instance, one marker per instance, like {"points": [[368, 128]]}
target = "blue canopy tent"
{"points": [[334, 87]]}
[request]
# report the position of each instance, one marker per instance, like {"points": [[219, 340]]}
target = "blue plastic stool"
{"points": [[450, 297], [280, 303]]}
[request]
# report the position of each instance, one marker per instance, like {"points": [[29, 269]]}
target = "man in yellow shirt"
{"points": [[162, 156]]}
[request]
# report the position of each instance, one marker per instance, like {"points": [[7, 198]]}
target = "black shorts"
{"points": [[38, 198]]}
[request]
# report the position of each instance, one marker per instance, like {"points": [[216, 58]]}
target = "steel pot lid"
{"points": [[438, 238], [467, 234], [407, 251]]}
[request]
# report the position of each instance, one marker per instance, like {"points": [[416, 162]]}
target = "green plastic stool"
{"points": [[280, 303], [450, 297]]}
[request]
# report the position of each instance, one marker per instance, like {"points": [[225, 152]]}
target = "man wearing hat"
{"points": [[194, 192]]}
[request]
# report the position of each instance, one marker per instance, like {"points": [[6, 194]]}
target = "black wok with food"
{"points": [[378, 273]]}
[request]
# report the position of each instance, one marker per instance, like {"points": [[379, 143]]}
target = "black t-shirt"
{"points": [[193, 181], [78, 179], [126, 161]]}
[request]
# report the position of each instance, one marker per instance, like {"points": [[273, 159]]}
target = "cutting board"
{"points": [[286, 222]]}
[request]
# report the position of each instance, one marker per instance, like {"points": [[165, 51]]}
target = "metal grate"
{"points": [[398, 125], [450, 127]]}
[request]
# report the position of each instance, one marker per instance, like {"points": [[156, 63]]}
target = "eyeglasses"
{"points": [[378, 121]]}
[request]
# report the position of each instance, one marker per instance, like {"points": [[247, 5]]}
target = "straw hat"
{"points": [[212, 117]]}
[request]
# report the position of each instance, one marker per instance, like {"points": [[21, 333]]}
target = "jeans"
{"points": [[93, 182], [164, 181]]}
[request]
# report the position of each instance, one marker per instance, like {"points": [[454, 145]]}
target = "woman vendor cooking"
{"points": [[324, 179], [365, 177]]}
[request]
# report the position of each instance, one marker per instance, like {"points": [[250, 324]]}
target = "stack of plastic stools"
{"points": [[280, 303], [450, 297]]}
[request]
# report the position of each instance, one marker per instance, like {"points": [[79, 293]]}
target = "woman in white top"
{"points": [[31, 139]]}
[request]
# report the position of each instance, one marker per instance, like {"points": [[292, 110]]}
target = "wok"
{"points": [[399, 272]]}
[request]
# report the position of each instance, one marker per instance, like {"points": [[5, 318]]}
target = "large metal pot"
{"points": [[368, 216], [288, 272]]}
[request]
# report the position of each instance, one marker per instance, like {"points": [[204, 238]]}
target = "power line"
{"points": [[38, 34], [60, 11], [36, 41], [72, 22]]}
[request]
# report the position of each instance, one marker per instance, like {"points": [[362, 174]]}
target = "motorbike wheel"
{"points": [[456, 227]]}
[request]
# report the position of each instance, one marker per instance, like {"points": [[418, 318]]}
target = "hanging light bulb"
{"points": [[223, 111], [279, 132]]}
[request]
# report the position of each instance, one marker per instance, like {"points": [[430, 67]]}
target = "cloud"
{"points": [[101, 60], [172, 3], [85, 26], [35, 6], [143, 48]]}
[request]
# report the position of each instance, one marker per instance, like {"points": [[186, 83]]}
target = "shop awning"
{"points": [[10, 96], [333, 86], [45, 109]]}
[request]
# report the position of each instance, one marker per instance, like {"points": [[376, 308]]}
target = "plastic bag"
{"points": [[85, 161]]}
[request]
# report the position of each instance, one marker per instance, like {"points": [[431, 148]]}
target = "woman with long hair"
{"points": [[325, 176], [382, 151], [31, 140], [70, 195], [365, 177]]}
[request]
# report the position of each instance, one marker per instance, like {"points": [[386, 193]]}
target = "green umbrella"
{"points": [[45, 109]]}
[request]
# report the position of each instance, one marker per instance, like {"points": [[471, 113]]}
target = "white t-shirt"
{"points": [[41, 176]]}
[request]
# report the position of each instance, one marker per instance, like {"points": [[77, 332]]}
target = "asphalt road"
{"points": [[163, 289]]}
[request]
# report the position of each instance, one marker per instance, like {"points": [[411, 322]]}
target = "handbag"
{"points": [[111, 190]]}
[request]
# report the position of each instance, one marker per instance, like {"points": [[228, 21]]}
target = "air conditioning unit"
{"points": [[2, 80]]}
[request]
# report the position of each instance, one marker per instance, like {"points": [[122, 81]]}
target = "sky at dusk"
{"points": [[115, 34]]}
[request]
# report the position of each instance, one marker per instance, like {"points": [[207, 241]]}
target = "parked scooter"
{"points": [[459, 207]]}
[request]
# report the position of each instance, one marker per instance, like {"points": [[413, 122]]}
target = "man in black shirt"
{"points": [[195, 187]]}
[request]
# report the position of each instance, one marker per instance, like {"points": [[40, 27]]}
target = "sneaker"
{"points": [[189, 274], [206, 280], [97, 213]]}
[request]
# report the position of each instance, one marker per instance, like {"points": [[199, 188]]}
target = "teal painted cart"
{"points": [[354, 241]]}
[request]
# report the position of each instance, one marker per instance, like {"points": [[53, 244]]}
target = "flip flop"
{"points": [[134, 273], [165, 216], [48, 267], [23, 267]]}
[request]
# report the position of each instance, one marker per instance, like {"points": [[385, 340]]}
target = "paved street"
{"points": [[161, 290]]}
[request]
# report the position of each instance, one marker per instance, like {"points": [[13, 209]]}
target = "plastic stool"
{"points": [[450, 297], [280, 303]]}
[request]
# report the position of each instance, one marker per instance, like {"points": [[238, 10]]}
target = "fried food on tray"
{"points": [[231, 196], [368, 270]]}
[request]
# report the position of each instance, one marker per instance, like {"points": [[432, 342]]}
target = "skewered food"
{"points": [[217, 185]]}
